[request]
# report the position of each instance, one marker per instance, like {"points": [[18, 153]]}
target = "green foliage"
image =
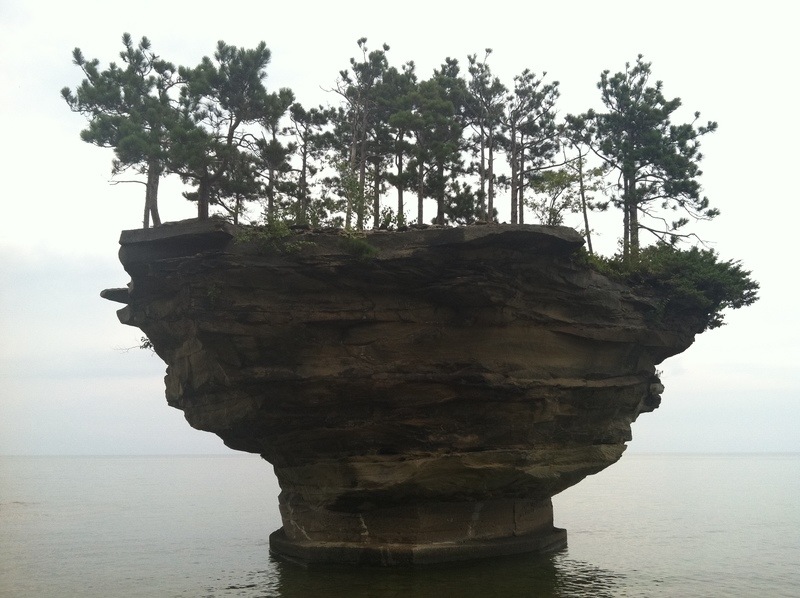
{"points": [[388, 219], [556, 193], [693, 282], [347, 186], [357, 246], [462, 206], [265, 236], [212, 147], [275, 236]]}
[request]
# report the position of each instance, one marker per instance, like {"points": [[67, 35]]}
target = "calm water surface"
{"points": [[651, 525]]}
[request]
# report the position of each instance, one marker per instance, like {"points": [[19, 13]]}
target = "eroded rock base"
{"points": [[309, 552], [421, 533]]}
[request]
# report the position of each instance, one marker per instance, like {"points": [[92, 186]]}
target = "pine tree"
{"points": [[357, 86], [272, 154], [131, 109], [442, 107], [311, 144], [222, 96], [398, 98], [485, 113], [532, 138], [657, 161]]}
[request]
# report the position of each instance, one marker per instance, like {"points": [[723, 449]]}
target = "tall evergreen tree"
{"points": [[531, 134], [311, 144], [398, 99], [131, 109], [273, 154], [357, 86], [221, 98], [485, 113], [441, 108], [657, 161]]}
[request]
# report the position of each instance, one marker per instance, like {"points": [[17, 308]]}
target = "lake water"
{"points": [[651, 525]]}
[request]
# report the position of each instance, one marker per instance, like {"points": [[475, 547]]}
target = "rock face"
{"points": [[421, 395]]}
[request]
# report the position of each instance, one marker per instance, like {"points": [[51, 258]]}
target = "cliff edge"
{"points": [[421, 395]]}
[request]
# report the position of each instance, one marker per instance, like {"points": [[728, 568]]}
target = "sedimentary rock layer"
{"points": [[421, 395]]}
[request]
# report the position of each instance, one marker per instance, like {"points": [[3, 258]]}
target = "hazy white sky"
{"points": [[67, 388]]}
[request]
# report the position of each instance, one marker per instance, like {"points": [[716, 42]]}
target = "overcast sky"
{"points": [[67, 386]]}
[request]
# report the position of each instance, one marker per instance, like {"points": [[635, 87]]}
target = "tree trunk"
{"points": [[400, 207], [348, 211], [626, 223], [584, 209], [151, 195], [362, 181], [351, 169], [440, 199], [633, 221], [483, 175], [521, 181], [203, 198], [376, 197], [237, 208], [271, 195], [490, 176], [362, 174], [514, 174], [271, 186], [631, 240], [302, 217], [420, 191]]}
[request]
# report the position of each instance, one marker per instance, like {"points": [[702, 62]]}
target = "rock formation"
{"points": [[421, 395]]}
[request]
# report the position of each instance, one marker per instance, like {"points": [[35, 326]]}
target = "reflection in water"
{"points": [[555, 576]]}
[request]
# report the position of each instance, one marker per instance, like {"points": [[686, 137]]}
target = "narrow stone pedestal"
{"points": [[388, 555], [421, 533]]}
